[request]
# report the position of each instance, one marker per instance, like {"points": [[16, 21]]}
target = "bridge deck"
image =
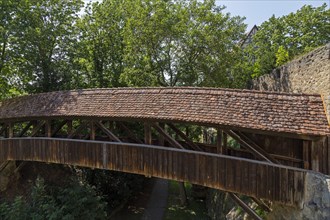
{"points": [[253, 178]]}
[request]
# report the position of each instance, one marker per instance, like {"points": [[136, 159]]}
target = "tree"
{"points": [[281, 39], [10, 80], [158, 43], [46, 36], [101, 46], [180, 43]]}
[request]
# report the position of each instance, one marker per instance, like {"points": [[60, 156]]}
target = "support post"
{"points": [[147, 133], [225, 143], [70, 127], [10, 130], [219, 142], [315, 156], [92, 130], [306, 154], [48, 128], [161, 140]]}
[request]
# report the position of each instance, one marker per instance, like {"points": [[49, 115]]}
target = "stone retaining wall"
{"points": [[309, 73]]}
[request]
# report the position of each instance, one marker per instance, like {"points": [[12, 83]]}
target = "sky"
{"points": [[258, 11]]}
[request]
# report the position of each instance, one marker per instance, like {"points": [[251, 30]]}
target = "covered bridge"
{"points": [[152, 131]]}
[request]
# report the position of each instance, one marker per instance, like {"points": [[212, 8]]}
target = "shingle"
{"points": [[269, 111]]}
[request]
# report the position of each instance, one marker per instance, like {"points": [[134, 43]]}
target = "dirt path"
{"points": [[157, 202]]}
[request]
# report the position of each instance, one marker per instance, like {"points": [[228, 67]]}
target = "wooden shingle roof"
{"points": [[264, 111]]}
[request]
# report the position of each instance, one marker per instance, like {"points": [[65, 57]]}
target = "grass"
{"points": [[194, 210]]}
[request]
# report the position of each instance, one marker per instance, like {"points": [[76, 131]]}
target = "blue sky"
{"points": [[258, 11]]}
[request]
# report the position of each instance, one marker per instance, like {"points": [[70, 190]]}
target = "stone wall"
{"points": [[316, 204], [309, 73]]}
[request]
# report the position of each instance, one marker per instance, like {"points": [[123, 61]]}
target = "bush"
{"points": [[76, 201]]}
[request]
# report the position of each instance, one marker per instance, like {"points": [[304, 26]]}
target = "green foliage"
{"points": [[36, 40], [279, 40], [157, 43], [232, 143], [282, 56], [76, 201], [115, 186]]}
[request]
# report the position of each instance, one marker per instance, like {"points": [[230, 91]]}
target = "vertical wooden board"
{"points": [[177, 168], [111, 157], [291, 186], [259, 180], [165, 164], [265, 177], [141, 152], [208, 170], [245, 176], [157, 162], [238, 175], [298, 186], [186, 165], [315, 156], [76, 152], [175, 165], [214, 174], [197, 170], [118, 157], [91, 161], [145, 161], [270, 182], [124, 162], [128, 158], [230, 174], [170, 164], [201, 167], [222, 172], [151, 161], [98, 163], [134, 159], [252, 189], [324, 156], [284, 185], [192, 167], [51, 149]]}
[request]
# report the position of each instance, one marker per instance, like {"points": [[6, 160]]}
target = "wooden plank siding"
{"points": [[249, 177]]}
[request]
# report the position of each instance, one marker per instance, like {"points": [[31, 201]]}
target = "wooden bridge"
{"points": [[156, 132]]}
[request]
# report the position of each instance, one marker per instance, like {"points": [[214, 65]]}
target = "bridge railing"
{"points": [[249, 177]]}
